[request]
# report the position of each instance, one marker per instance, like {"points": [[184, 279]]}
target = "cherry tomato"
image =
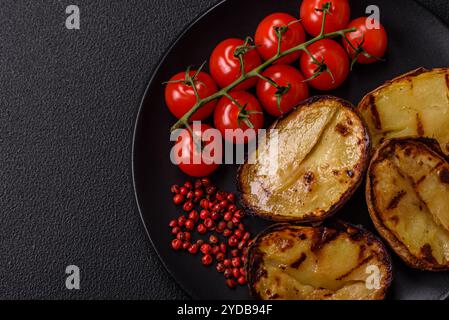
{"points": [[247, 114], [180, 96], [225, 66], [289, 80], [329, 55], [336, 19], [267, 41], [373, 40], [194, 157]]}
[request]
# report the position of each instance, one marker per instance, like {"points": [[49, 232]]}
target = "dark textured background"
{"points": [[68, 100]]}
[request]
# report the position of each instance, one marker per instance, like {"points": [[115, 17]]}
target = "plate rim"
{"points": [[137, 124]]}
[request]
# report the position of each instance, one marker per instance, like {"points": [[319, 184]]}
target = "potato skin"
{"points": [[375, 125], [360, 170], [371, 199], [254, 261]]}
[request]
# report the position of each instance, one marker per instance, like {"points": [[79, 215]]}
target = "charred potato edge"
{"points": [[393, 242], [253, 260], [366, 102], [361, 167]]}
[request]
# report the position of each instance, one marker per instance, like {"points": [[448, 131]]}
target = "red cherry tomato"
{"points": [[180, 96], [194, 157], [336, 19], [247, 114], [225, 66], [328, 54], [373, 40], [290, 80], [267, 41]]}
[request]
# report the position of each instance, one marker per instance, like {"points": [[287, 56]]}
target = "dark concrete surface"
{"points": [[68, 101]]}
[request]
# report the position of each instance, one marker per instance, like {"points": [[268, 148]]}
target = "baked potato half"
{"points": [[310, 163], [408, 199], [415, 104], [288, 262]]}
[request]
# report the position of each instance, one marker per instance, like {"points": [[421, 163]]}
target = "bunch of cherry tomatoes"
{"points": [[281, 86]]}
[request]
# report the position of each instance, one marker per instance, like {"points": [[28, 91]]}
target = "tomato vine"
{"points": [[257, 72]]}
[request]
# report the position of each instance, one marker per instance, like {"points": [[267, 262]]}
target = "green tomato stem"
{"points": [[254, 73]]}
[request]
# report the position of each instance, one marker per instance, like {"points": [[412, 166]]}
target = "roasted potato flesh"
{"points": [[415, 104], [305, 263], [322, 150], [408, 198]]}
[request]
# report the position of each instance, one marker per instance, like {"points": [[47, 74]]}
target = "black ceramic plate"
{"points": [[416, 39]]}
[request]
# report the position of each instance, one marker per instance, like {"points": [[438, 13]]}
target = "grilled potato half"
{"points": [[408, 199], [415, 104], [310, 164], [342, 262]]}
